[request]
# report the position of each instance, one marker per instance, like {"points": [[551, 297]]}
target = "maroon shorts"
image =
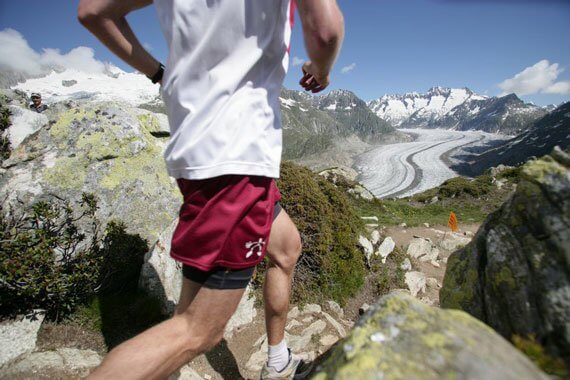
{"points": [[224, 221]]}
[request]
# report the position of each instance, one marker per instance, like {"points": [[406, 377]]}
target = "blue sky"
{"points": [[391, 46]]}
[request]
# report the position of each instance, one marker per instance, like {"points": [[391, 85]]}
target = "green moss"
{"points": [[67, 173], [536, 170], [149, 122], [536, 352], [505, 276], [459, 284]]}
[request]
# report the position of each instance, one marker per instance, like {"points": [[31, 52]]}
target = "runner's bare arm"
{"points": [[323, 31], [106, 20]]}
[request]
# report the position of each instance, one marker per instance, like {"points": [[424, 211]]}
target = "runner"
{"points": [[221, 85]]}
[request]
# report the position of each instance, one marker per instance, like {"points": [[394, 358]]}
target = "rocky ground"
{"points": [[69, 351]]}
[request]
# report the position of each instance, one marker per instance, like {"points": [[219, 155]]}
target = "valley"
{"points": [[404, 169]]}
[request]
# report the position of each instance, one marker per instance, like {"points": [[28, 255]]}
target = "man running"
{"points": [[221, 85]]}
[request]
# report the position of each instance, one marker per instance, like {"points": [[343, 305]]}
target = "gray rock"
{"points": [[161, 276], [363, 308], [334, 323], [335, 307], [453, 241], [18, 337], [366, 246], [406, 265], [386, 248], [401, 338], [422, 249], [66, 362], [515, 274], [416, 282], [311, 308], [328, 340], [375, 237]]}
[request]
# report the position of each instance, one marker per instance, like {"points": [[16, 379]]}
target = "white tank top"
{"points": [[224, 73]]}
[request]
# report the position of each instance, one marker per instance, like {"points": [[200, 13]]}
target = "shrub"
{"points": [[5, 114], [52, 257], [331, 265], [46, 261]]}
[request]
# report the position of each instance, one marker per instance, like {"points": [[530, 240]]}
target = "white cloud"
{"points": [[298, 61], [147, 46], [539, 78], [348, 68], [17, 55]]}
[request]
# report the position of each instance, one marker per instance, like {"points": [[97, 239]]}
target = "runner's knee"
{"points": [[200, 343], [287, 255]]}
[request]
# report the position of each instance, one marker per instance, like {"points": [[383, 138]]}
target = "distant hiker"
{"points": [[36, 104], [226, 64]]}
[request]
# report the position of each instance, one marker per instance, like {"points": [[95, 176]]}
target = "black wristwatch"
{"points": [[158, 75]]}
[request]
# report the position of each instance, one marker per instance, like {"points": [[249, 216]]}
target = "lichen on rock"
{"points": [[401, 338], [515, 274]]}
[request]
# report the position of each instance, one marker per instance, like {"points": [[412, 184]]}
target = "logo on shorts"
{"points": [[254, 247]]}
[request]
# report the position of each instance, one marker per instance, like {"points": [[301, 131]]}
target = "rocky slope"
{"points": [[546, 133], [515, 275], [457, 109]]}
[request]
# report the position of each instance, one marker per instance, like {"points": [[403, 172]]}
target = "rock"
{"points": [[335, 307], [369, 218], [64, 361], [515, 274], [386, 248], [453, 241], [422, 249], [104, 148], [416, 282], [401, 338], [435, 263], [406, 265], [364, 308], [311, 308], [340, 173], [298, 343], [403, 225], [375, 237], [244, 314], [337, 326], [308, 319], [316, 327], [434, 200], [366, 246], [328, 340], [68, 83], [361, 192], [371, 225], [161, 276], [293, 313], [432, 283], [426, 225], [292, 324], [255, 361], [18, 337]]}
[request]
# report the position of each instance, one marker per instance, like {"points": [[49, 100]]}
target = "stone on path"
{"points": [[18, 337], [386, 248], [366, 246], [416, 282], [422, 249]]}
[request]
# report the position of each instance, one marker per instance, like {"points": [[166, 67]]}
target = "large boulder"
{"points": [[515, 274], [109, 149], [18, 336], [401, 338]]}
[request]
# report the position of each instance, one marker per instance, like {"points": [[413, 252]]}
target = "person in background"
{"points": [[36, 104], [221, 84]]}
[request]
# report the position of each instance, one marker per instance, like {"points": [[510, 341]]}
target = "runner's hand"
{"points": [[312, 80]]}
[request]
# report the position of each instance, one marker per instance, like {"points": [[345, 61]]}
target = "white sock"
{"points": [[278, 356]]}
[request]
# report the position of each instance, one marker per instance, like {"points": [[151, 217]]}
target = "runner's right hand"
{"points": [[312, 80]]}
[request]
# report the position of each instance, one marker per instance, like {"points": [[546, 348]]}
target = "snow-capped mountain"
{"points": [[546, 133], [421, 108], [458, 109], [113, 84]]}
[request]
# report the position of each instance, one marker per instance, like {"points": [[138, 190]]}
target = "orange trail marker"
{"points": [[452, 222]]}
